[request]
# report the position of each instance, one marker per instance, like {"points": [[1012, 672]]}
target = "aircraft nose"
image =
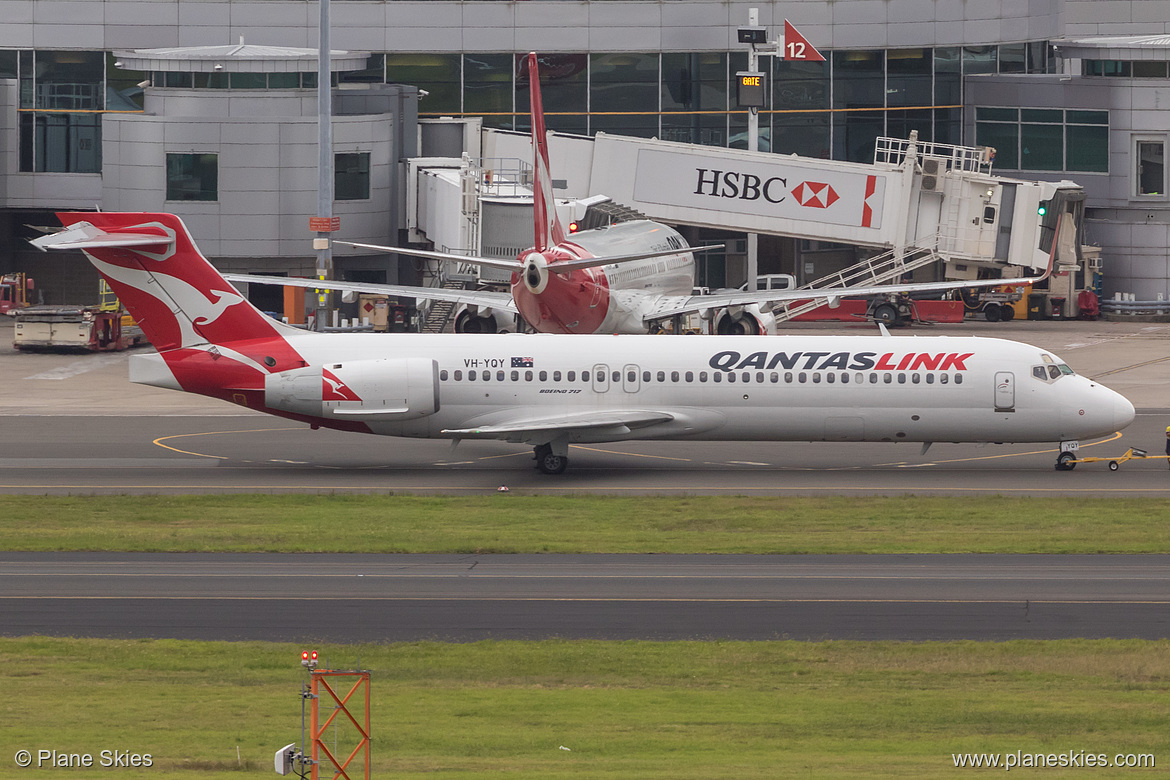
{"points": [[1123, 412]]}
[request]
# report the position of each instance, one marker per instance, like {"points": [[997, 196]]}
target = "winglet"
{"points": [[548, 229]]}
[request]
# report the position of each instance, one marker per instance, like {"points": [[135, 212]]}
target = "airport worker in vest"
{"points": [[1168, 444]]}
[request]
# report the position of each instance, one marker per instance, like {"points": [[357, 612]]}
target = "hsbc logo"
{"points": [[815, 194], [823, 193], [743, 186], [748, 186]]}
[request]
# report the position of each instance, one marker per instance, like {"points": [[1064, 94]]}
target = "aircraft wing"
{"points": [[484, 298], [677, 305], [427, 254], [518, 424]]}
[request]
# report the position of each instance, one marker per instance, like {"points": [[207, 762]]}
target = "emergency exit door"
{"points": [[1005, 391], [600, 378]]}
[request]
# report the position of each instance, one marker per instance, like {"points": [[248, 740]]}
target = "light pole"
{"points": [[751, 92], [324, 222]]}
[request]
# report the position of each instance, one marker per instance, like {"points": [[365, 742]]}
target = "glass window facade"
{"points": [[694, 98], [826, 109], [1137, 69], [819, 109], [623, 93], [1150, 168], [439, 75], [192, 176], [62, 97], [351, 176], [1045, 139], [564, 90], [801, 120]]}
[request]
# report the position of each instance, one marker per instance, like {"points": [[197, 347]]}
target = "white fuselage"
{"points": [[634, 286], [782, 388]]}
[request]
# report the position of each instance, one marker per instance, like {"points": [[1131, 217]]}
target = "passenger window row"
{"points": [[731, 377]]}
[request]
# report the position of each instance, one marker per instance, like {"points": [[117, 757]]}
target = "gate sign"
{"points": [[772, 187], [750, 89], [797, 47]]}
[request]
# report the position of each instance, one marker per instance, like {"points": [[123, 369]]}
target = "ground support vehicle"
{"points": [[1068, 460], [996, 305], [14, 290], [74, 328]]}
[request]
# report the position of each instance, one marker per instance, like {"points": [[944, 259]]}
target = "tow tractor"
{"points": [[1068, 461], [996, 304]]}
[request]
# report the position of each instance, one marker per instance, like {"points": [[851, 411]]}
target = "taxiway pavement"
{"points": [[379, 598], [74, 423]]}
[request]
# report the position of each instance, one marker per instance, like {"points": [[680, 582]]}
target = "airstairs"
{"points": [[439, 314], [886, 268]]}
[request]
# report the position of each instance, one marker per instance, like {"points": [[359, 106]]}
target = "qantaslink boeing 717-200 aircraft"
{"points": [[552, 390]]}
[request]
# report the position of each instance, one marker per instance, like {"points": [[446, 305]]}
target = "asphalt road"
{"points": [[377, 598]]}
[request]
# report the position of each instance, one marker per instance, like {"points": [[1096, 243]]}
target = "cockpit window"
{"points": [[1051, 372]]}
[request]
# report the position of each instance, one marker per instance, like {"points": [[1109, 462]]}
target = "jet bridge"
{"points": [[917, 204], [914, 197]]}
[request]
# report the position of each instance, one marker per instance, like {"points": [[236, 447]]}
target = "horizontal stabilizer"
{"points": [[83, 235], [565, 266], [559, 266]]}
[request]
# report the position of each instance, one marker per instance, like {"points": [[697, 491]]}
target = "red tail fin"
{"points": [[170, 288], [548, 228]]}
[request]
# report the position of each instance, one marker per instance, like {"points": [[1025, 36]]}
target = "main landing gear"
{"points": [[548, 462]]}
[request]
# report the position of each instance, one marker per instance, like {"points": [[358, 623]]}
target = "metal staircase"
{"points": [[439, 313], [885, 268]]}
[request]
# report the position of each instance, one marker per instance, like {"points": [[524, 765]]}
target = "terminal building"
{"points": [[206, 108]]}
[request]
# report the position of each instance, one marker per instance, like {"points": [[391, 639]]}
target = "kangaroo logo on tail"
{"points": [[176, 295]]}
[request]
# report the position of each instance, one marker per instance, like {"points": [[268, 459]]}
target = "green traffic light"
{"points": [[1042, 211]]}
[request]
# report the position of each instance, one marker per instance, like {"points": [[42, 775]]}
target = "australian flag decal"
{"points": [[521, 362]]}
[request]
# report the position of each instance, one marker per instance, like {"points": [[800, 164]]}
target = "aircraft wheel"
{"points": [[548, 463], [1114, 465], [1007, 312], [885, 314], [1064, 462], [992, 312]]}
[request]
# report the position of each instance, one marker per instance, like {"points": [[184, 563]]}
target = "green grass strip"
{"points": [[507, 523], [624, 709]]}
